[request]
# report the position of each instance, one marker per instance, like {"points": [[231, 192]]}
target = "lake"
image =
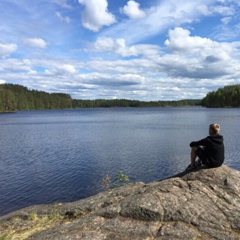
{"points": [[63, 155]]}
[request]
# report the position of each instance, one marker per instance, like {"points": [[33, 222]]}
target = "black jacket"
{"points": [[214, 149]]}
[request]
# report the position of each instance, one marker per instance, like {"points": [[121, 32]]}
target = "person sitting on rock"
{"points": [[209, 150]]}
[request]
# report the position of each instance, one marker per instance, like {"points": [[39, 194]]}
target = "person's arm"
{"points": [[201, 142]]}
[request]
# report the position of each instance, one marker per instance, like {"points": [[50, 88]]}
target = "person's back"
{"points": [[214, 149]]}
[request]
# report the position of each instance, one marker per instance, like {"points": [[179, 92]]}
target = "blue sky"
{"points": [[142, 50]]}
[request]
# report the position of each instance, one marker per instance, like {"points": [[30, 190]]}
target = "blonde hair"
{"points": [[215, 128]]}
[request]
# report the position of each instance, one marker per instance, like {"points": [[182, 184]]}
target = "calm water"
{"points": [[63, 155]]}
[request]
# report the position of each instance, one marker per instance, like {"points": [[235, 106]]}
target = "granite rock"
{"points": [[200, 204]]}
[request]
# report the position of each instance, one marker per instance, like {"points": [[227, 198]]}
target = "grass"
{"points": [[19, 229]]}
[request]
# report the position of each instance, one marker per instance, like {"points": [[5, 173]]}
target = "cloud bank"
{"points": [[144, 50]]}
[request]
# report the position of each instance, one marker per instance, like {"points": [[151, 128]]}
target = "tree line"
{"points": [[228, 96], [16, 97], [78, 103]]}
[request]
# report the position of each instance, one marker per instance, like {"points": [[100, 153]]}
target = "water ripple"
{"points": [[63, 155]]}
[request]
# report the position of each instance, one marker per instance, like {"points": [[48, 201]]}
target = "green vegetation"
{"points": [[122, 180], [132, 103], [16, 97], [228, 96]]}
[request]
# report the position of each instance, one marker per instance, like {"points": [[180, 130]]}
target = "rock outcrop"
{"points": [[202, 204]]}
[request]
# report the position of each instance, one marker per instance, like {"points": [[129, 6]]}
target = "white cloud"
{"points": [[181, 41], [35, 42], [104, 44], [199, 58], [158, 19], [32, 72], [62, 3], [57, 68], [120, 62], [216, 9], [14, 64], [203, 9], [226, 20], [223, 10], [132, 10], [193, 66], [95, 15], [166, 14], [2, 81], [7, 49], [63, 19], [119, 46], [69, 68]]}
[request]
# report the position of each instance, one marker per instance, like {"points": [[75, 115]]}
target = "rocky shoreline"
{"points": [[201, 204]]}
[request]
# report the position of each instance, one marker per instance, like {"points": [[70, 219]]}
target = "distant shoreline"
{"points": [[7, 112]]}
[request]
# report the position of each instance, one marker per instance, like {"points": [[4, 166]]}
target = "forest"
{"points": [[228, 96], [131, 103], [14, 97]]}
